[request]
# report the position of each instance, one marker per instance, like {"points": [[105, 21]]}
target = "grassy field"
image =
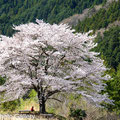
{"points": [[61, 109]]}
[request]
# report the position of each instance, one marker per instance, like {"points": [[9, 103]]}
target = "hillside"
{"points": [[105, 22], [74, 20], [101, 19], [52, 11], [87, 13]]}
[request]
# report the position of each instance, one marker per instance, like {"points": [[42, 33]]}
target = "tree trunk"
{"points": [[42, 106], [41, 98]]}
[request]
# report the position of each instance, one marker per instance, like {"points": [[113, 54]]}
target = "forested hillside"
{"points": [[108, 46], [52, 11], [101, 19], [109, 42]]}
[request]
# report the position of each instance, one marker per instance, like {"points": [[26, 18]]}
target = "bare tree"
{"points": [[49, 59]]}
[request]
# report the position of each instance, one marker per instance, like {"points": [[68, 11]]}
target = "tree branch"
{"points": [[56, 99], [50, 93]]}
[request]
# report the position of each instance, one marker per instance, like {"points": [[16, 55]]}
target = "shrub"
{"points": [[10, 106], [77, 114]]}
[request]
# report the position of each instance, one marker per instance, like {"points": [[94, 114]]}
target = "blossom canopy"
{"points": [[49, 59]]}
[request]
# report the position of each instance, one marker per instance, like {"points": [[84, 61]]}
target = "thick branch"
{"points": [[56, 99], [50, 93], [46, 66]]}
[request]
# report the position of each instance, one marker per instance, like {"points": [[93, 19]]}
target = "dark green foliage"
{"points": [[52, 11], [101, 19], [113, 90], [2, 80], [10, 106], [77, 114], [13, 105], [109, 47]]}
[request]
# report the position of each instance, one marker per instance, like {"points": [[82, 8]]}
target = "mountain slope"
{"points": [[107, 22], [101, 19], [74, 20]]}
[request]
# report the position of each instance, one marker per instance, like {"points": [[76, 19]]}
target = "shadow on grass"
{"points": [[60, 117]]}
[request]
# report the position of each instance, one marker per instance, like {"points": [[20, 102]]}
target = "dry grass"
{"points": [[24, 117], [62, 109]]}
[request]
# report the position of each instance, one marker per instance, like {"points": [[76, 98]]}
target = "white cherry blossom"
{"points": [[49, 59]]}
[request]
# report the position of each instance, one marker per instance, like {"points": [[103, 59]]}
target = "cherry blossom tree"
{"points": [[49, 59]]}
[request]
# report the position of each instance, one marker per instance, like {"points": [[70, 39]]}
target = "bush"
{"points": [[10, 106], [2, 80], [77, 114]]}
